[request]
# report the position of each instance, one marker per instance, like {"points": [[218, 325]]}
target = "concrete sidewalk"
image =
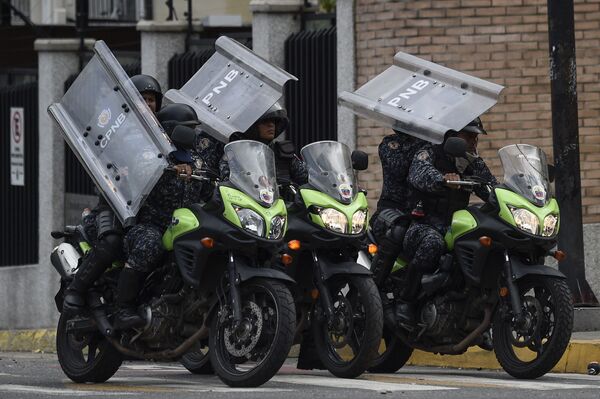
{"points": [[584, 348]]}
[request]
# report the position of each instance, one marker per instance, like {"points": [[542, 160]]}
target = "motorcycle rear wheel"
{"points": [[548, 308], [348, 347], [85, 357], [250, 358], [394, 356], [198, 361]]}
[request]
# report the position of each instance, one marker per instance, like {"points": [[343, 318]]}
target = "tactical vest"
{"points": [[444, 204]]}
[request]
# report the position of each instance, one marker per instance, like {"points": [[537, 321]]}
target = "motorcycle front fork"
{"points": [[513, 292], [324, 294], [234, 290]]}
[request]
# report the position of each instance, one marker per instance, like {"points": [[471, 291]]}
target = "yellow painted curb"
{"points": [[41, 340], [575, 359]]}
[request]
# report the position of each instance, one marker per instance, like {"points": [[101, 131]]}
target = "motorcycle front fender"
{"points": [[520, 270], [330, 269], [247, 272]]}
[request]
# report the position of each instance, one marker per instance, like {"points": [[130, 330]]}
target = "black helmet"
{"points": [[172, 115], [146, 83], [475, 126], [276, 114]]}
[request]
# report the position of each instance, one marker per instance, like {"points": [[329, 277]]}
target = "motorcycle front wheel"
{"points": [[348, 343], [533, 347], [85, 357], [249, 354]]}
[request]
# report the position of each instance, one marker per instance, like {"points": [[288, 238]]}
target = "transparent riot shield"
{"points": [[115, 136], [232, 89], [421, 98]]}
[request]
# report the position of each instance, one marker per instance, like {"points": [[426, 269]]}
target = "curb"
{"points": [[578, 355], [575, 359]]}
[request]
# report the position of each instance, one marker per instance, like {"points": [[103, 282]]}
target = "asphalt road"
{"points": [[24, 375]]}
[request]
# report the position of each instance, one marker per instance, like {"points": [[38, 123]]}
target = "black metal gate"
{"points": [[312, 101], [19, 209]]}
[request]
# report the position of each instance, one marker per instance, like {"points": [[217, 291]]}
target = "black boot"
{"points": [[406, 304], [308, 358], [130, 282], [91, 268]]}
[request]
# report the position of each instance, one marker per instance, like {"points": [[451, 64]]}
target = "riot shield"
{"points": [[421, 98], [115, 136], [232, 90]]}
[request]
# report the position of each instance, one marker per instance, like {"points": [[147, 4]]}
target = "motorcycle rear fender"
{"points": [[520, 270], [331, 269], [247, 272]]}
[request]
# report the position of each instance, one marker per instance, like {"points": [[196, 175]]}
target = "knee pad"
{"points": [[107, 223]]}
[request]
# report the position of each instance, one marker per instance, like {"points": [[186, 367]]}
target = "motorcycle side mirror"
{"points": [[551, 173], [456, 147], [183, 137], [360, 160]]}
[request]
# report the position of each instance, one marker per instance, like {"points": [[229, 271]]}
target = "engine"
{"points": [[441, 317], [161, 327]]}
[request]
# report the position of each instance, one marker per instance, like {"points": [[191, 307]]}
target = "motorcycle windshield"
{"points": [[526, 172], [252, 170], [115, 136], [330, 169]]}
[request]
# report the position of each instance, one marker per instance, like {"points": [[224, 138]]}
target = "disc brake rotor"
{"points": [[242, 340], [534, 316]]}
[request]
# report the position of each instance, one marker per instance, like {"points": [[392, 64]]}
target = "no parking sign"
{"points": [[17, 146]]}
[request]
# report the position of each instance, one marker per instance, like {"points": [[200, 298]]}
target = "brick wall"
{"points": [[504, 41]]}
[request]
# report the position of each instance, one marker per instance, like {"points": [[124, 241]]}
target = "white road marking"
{"points": [[333, 382], [57, 391]]}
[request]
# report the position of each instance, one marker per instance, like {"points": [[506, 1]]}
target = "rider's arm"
{"points": [[423, 175], [480, 169]]}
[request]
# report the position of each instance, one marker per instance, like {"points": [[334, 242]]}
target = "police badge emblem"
{"points": [[104, 118]]}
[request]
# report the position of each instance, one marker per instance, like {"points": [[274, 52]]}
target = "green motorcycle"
{"points": [[493, 276], [215, 290], [336, 298]]}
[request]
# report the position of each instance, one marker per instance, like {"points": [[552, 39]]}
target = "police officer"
{"points": [[430, 170], [289, 167], [143, 242], [102, 228], [390, 221]]}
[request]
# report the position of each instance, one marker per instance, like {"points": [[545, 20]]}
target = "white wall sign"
{"points": [[17, 146]]}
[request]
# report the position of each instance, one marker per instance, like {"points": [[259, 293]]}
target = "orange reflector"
{"points": [[485, 241], [560, 255], [207, 242], [372, 249], [294, 245], [286, 259], [503, 292], [314, 293]]}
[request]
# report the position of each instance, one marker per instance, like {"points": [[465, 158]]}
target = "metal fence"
{"points": [[77, 180], [183, 66], [19, 209], [312, 101]]}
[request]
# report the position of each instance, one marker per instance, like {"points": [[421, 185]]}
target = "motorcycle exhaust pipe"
{"points": [[65, 260]]}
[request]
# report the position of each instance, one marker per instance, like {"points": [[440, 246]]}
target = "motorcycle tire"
{"points": [[366, 324], [394, 356], [550, 310], [85, 357], [198, 362], [271, 331]]}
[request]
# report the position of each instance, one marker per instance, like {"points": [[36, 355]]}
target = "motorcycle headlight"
{"points": [[251, 221], [277, 224], [550, 223], [358, 221], [525, 220], [334, 220]]}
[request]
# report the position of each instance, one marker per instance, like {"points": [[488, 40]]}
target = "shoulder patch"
{"points": [[393, 145], [203, 143], [423, 156]]}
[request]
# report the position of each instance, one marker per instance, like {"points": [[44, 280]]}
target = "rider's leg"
{"points": [[105, 249], [424, 245], [143, 244]]}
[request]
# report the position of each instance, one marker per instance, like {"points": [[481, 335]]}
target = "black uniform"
{"points": [[391, 219], [424, 241]]}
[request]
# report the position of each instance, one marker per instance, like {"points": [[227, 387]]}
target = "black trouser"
{"points": [[389, 228]]}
